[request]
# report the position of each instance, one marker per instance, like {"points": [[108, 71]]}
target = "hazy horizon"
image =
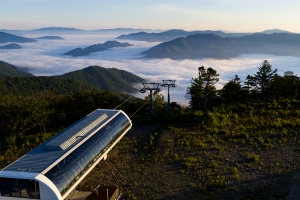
{"points": [[230, 15]]}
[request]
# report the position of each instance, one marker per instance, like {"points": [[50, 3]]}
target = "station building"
{"points": [[52, 170]]}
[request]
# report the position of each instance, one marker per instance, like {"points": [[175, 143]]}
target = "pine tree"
{"points": [[202, 88], [263, 78]]}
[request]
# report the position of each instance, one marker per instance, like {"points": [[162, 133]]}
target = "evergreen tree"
{"points": [[263, 78], [202, 88], [287, 86], [232, 90]]}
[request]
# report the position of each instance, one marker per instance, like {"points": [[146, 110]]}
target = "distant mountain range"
{"points": [[50, 38], [129, 30], [182, 48], [11, 46], [172, 34], [6, 37], [68, 30], [213, 46], [96, 47], [176, 33], [275, 30], [53, 28], [92, 78]]}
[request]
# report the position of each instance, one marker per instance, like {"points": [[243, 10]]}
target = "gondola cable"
{"points": [[135, 111], [138, 110], [123, 103]]}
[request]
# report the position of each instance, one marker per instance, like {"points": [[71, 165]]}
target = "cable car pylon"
{"points": [[151, 87], [168, 83]]}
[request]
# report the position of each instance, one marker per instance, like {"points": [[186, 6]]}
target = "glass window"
{"points": [[25, 188], [54, 181]]}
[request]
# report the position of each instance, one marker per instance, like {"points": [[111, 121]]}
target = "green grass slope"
{"points": [[10, 70], [114, 80], [31, 85]]}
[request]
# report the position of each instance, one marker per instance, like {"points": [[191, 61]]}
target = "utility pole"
{"points": [[151, 87], [168, 83]]}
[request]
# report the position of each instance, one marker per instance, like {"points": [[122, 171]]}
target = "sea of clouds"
{"points": [[45, 58]]}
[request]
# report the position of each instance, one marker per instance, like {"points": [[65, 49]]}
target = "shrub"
{"points": [[234, 170]]}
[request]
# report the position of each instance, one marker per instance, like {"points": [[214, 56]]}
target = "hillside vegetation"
{"points": [[93, 78], [109, 79], [7, 69], [32, 85], [240, 142]]}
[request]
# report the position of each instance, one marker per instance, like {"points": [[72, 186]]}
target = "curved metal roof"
{"points": [[42, 157]]}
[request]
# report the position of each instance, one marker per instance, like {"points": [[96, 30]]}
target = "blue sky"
{"points": [[231, 15]]}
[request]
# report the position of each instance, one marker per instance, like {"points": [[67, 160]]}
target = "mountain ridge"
{"points": [[105, 78], [176, 33], [96, 48], [11, 46], [108, 79], [9, 70], [50, 38], [285, 44], [6, 37]]}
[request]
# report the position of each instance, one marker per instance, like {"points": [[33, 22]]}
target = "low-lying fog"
{"points": [[45, 58]]}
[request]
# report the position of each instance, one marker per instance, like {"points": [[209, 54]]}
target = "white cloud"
{"points": [[45, 58]]}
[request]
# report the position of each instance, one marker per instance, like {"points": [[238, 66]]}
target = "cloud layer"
{"points": [[46, 58]]}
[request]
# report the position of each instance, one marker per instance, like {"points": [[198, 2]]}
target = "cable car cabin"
{"points": [[53, 170]]}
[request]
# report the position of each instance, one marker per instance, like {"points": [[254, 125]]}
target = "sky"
{"points": [[46, 57], [229, 15]]}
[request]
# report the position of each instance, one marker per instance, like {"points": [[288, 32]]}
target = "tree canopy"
{"points": [[202, 88]]}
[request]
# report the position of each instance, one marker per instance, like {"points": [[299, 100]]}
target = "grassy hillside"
{"points": [[246, 151], [10, 70], [114, 80], [31, 85]]}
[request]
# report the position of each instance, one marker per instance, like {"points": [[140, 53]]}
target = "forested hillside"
{"points": [[32, 85], [7, 69], [109, 79], [93, 78]]}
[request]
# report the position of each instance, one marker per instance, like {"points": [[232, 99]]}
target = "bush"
{"points": [[234, 170]]}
